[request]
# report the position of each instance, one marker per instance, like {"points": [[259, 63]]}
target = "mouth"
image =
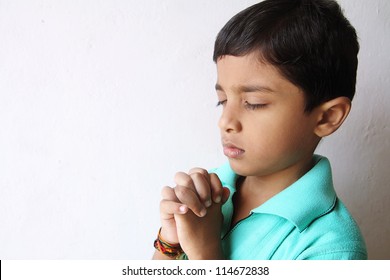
{"points": [[232, 151]]}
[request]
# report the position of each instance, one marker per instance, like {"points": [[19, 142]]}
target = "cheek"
{"points": [[277, 134], [263, 137], [298, 136]]}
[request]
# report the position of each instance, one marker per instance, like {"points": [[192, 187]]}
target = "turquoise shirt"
{"points": [[304, 221]]}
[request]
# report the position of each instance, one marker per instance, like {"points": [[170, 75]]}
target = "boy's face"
{"points": [[264, 128]]}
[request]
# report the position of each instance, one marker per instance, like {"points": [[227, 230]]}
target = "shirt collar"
{"points": [[305, 200]]}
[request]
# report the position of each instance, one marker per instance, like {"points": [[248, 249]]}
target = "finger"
{"points": [[170, 204], [225, 195], [202, 187], [206, 176], [202, 171], [216, 188], [189, 197], [193, 196], [185, 180], [169, 208], [168, 193]]}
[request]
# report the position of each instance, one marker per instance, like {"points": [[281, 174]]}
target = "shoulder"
{"points": [[334, 236]]}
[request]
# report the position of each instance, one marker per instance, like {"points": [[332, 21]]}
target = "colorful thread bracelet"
{"points": [[170, 250]]}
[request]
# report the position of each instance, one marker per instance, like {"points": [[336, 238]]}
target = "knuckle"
{"points": [[166, 191], [183, 179], [198, 170], [182, 191], [197, 176]]}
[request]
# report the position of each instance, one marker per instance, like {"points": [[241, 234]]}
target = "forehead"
{"points": [[242, 71]]}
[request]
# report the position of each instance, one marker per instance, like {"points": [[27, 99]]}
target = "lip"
{"points": [[231, 150]]}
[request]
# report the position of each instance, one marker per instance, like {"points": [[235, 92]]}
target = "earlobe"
{"points": [[332, 115]]}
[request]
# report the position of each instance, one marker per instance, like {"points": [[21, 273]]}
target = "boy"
{"points": [[286, 78]]}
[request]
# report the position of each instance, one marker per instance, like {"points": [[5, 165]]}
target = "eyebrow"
{"points": [[247, 88]]}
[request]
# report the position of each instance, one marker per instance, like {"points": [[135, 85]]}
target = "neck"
{"points": [[262, 188]]}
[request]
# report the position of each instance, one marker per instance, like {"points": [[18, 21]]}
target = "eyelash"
{"points": [[254, 106], [247, 105], [221, 103]]}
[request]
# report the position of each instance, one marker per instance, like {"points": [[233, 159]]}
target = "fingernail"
{"points": [[208, 203], [203, 212], [218, 199], [183, 209]]}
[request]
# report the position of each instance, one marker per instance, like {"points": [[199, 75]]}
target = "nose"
{"points": [[229, 121]]}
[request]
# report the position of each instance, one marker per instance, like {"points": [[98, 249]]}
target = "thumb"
{"points": [[225, 195]]}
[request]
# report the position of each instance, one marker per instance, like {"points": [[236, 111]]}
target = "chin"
{"points": [[240, 168], [246, 169]]}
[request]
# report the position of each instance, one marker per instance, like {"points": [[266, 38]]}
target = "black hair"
{"points": [[310, 42]]}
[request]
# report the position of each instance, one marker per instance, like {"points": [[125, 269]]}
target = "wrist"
{"points": [[169, 235], [209, 252], [170, 250]]}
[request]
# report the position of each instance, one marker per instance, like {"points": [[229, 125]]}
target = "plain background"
{"points": [[101, 102]]}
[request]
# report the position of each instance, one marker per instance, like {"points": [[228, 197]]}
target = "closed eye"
{"points": [[222, 102], [254, 106]]}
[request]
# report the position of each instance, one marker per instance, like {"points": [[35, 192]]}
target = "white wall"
{"points": [[101, 102]]}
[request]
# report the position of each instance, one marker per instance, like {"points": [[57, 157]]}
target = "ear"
{"points": [[332, 115]]}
